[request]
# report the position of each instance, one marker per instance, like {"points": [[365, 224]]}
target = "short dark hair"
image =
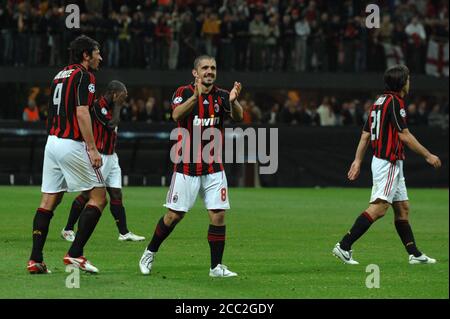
{"points": [[202, 57], [115, 87], [81, 45], [396, 77]]}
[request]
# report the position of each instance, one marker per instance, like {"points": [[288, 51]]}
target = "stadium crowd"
{"points": [[282, 109], [297, 35]]}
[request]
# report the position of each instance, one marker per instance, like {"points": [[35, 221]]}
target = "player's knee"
{"points": [[85, 196], [383, 208], [402, 210], [115, 193], [98, 201], [50, 201], [173, 217], [217, 217], [57, 201]]}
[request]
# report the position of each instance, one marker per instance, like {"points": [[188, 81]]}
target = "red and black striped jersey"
{"points": [[105, 137], [73, 86], [386, 118], [207, 113]]}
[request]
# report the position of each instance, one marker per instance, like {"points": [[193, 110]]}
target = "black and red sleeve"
{"points": [[398, 114], [181, 95], [85, 89]]}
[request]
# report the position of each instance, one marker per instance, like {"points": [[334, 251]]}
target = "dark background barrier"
{"points": [[308, 156], [273, 80]]}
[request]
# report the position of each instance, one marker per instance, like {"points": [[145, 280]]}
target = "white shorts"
{"points": [[111, 171], [388, 181], [184, 189], [67, 167]]}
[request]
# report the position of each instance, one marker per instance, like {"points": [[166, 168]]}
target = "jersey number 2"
{"points": [[57, 96], [375, 128]]}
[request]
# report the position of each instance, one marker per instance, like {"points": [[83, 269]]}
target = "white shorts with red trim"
{"points": [[213, 188], [67, 167], [111, 171], [388, 181]]}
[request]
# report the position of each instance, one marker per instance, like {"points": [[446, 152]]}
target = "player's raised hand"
{"points": [[95, 157], [198, 87], [434, 161], [235, 91], [354, 170]]}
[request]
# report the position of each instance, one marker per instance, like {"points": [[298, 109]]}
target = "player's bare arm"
{"points": [[237, 113], [413, 144], [184, 109], [85, 124], [355, 168]]}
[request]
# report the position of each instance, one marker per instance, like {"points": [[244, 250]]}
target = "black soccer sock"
{"points": [[88, 220], [75, 211], [162, 231], [216, 240], [118, 212], [406, 235], [41, 224], [360, 226]]}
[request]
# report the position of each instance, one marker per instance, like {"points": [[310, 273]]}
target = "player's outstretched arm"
{"points": [[85, 124], [237, 112], [413, 144], [184, 109], [355, 168]]}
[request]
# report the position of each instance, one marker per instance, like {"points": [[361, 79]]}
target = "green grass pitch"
{"points": [[278, 240]]}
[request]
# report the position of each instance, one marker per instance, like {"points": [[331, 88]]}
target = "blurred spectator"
{"points": [[412, 115], [287, 39], [54, 26], [326, 113], [149, 41], [112, 40], [348, 113], [188, 49], [349, 45], [43, 111], [289, 114], [333, 32], [141, 113], [31, 112], [241, 42], [174, 46], [273, 33], [308, 115], [166, 111], [366, 108], [313, 35], [302, 31], [435, 117], [162, 42], [7, 27], [137, 40], [376, 58], [272, 116], [416, 39], [252, 113], [124, 36], [151, 113], [258, 34], [255, 112], [227, 35], [126, 113], [211, 32], [422, 113]]}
